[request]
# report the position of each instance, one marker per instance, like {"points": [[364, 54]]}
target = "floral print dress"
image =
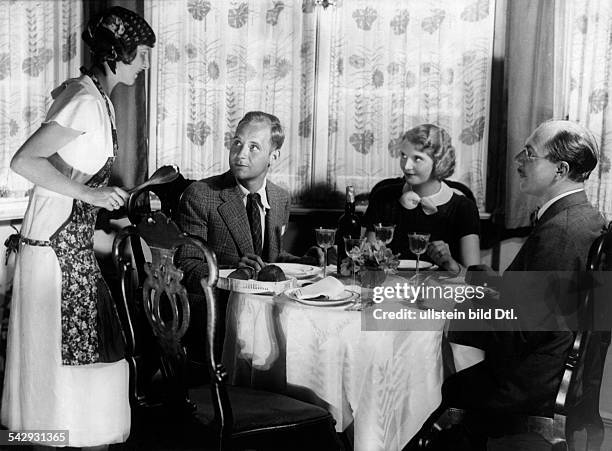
{"points": [[64, 368]]}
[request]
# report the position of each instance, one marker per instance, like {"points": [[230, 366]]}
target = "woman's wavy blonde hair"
{"points": [[435, 142]]}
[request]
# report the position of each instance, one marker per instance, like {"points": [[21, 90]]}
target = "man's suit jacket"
{"points": [[522, 369], [213, 209]]}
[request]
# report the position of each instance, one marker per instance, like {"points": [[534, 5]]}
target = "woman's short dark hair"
{"points": [[435, 142], [277, 134], [574, 144], [115, 34]]}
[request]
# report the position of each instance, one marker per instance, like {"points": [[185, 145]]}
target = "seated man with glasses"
{"points": [[523, 365]]}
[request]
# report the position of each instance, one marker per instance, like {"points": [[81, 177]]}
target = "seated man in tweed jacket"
{"points": [[240, 214]]}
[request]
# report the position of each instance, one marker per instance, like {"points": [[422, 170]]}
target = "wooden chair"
{"points": [[585, 412], [170, 194], [223, 416], [577, 400]]}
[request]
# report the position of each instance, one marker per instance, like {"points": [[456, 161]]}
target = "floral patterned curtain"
{"points": [[590, 84], [40, 46], [218, 59], [397, 64]]}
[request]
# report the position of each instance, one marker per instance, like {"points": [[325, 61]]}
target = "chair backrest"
{"points": [[588, 343], [163, 298], [386, 182], [461, 188], [153, 304], [170, 194]]}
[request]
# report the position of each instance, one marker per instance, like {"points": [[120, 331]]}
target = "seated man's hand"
{"points": [[439, 253], [314, 256], [253, 261]]}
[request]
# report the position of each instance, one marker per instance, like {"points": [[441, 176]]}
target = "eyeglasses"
{"points": [[527, 154]]}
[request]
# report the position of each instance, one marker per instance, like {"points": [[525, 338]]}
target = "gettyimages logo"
{"points": [[407, 291]]}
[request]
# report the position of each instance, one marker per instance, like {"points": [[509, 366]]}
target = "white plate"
{"points": [[411, 264], [298, 270], [345, 297]]}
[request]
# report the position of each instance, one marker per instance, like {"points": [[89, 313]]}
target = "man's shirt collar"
{"points": [[545, 207], [261, 192]]}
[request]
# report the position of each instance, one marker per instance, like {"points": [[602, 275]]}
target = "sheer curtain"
{"points": [[40, 46], [397, 64], [589, 64], [216, 60]]}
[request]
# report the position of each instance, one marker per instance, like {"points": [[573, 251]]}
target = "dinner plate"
{"points": [[345, 297], [411, 264], [298, 270]]}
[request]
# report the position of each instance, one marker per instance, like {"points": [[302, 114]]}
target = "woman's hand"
{"points": [[313, 256], [108, 197], [439, 252]]}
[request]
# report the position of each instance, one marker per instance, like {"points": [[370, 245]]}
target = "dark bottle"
{"points": [[348, 225]]}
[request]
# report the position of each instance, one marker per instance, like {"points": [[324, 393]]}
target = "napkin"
{"points": [[329, 287]]}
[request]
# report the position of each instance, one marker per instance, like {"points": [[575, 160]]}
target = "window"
{"points": [[345, 82], [40, 47]]}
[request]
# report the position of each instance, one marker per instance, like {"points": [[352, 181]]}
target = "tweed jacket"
{"points": [[213, 209]]}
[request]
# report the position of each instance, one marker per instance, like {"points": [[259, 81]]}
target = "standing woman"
{"points": [[65, 368]]}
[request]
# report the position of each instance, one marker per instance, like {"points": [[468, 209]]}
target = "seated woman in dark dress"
{"points": [[424, 203]]}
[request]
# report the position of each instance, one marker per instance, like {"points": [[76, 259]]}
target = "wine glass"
{"points": [[325, 240], [384, 233], [418, 244], [353, 250]]}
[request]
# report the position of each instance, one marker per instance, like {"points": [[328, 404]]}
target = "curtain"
{"points": [[216, 60], [397, 64], [40, 47], [529, 74], [589, 63]]}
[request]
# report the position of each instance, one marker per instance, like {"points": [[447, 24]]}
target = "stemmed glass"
{"points": [[384, 233], [325, 240], [353, 250], [418, 245]]}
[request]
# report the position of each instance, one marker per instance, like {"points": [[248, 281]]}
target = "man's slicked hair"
{"points": [[277, 134]]}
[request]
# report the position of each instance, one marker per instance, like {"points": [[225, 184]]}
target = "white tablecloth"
{"points": [[387, 382]]}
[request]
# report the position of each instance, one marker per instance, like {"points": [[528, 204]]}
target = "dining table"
{"points": [[381, 382]]}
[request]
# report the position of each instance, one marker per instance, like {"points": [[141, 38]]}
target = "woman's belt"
{"points": [[31, 242]]}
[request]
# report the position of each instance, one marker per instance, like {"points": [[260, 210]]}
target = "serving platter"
{"points": [[252, 286]]}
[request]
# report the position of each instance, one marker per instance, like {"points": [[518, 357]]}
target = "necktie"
{"points": [[533, 216], [410, 200], [253, 212]]}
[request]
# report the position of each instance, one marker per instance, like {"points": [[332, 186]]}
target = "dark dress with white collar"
{"points": [[453, 220]]}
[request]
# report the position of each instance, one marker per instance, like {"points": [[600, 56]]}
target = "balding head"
{"points": [[570, 142]]}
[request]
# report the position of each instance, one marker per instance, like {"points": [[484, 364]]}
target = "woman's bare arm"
{"points": [[31, 161]]}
